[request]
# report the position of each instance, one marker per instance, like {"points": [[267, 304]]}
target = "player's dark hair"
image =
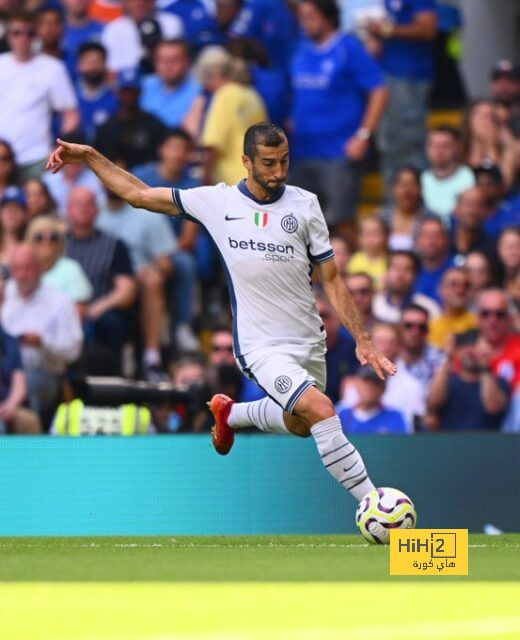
{"points": [[265, 133], [178, 132], [328, 8], [87, 47], [415, 307], [406, 254], [449, 130]]}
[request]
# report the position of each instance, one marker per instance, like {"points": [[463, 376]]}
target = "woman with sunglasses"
{"points": [[7, 167], [47, 236]]}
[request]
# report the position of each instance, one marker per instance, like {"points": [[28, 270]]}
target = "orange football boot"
{"points": [[222, 434]]}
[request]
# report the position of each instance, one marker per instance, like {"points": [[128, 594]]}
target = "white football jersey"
{"points": [[268, 248]]}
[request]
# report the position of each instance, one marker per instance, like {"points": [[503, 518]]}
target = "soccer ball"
{"points": [[384, 509]]}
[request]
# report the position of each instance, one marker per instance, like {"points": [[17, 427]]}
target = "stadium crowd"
{"points": [[166, 89]]}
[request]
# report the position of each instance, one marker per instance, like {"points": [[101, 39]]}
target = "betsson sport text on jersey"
{"points": [[273, 252]]}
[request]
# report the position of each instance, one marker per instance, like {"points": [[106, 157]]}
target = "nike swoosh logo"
{"points": [[228, 217]]}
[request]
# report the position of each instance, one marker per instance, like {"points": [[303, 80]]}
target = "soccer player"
{"points": [[269, 236]]}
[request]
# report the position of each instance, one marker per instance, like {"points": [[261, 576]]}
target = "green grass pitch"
{"points": [[249, 588]]}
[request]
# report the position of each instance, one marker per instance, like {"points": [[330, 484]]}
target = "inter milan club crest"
{"points": [[289, 223], [283, 384], [261, 219]]}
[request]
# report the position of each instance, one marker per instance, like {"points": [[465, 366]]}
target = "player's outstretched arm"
{"points": [[122, 183], [346, 309]]}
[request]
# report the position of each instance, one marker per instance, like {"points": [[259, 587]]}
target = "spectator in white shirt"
{"points": [[47, 326], [32, 88], [447, 177], [130, 40]]}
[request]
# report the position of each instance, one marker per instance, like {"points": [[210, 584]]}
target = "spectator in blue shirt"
{"points": [[97, 101], [273, 24], [432, 245], [338, 101], [79, 29], [369, 415], [500, 213], [341, 358], [406, 39], [170, 92]]}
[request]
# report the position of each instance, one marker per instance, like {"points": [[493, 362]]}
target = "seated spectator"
{"points": [[369, 415], [418, 357], [26, 116], [342, 252], [447, 177], [505, 91], [486, 139], [50, 26], [432, 246], [403, 217], [39, 199], [7, 167], [73, 175], [46, 236], [500, 213], [79, 30], [152, 246], [106, 263], [341, 357], [131, 136], [480, 275], [14, 417], [221, 354], [140, 29], [47, 326], [13, 221], [361, 288], [509, 252], [97, 100], [497, 338], [170, 92], [465, 394], [399, 289], [468, 231], [455, 317], [232, 110], [403, 392], [372, 256], [336, 109]]}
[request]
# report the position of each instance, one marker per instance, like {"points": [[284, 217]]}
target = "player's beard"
{"points": [[270, 188]]}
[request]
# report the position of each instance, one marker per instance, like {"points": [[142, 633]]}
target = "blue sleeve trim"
{"points": [[298, 394], [322, 257], [177, 200]]}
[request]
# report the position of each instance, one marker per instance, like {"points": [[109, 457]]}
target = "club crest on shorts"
{"points": [[282, 384], [261, 219], [289, 223]]}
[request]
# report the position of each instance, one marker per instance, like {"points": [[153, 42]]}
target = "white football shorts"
{"points": [[286, 371]]}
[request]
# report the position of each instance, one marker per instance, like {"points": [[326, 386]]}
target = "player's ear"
{"points": [[246, 161]]}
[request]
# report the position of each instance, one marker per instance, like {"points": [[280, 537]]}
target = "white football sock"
{"points": [[341, 458], [264, 414]]}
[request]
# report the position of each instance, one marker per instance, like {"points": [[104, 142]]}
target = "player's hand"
{"points": [[356, 148], [367, 354], [66, 153]]}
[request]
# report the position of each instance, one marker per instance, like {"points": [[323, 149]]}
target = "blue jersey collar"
{"points": [[244, 190]]}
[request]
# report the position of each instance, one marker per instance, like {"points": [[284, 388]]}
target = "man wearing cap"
{"points": [[369, 415], [500, 213], [132, 136], [505, 89], [465, 394]]}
